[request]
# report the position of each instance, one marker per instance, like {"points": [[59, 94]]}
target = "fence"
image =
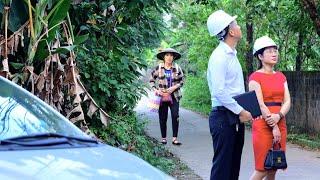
{"points": [[305, 101]]}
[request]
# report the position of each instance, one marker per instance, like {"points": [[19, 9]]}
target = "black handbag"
{"points": [[275, 159]]}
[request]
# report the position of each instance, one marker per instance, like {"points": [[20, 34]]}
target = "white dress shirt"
{"points": [[225, 78]]}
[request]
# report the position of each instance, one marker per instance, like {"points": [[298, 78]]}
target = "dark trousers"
{"points": [[227, 145], [163, 116]]}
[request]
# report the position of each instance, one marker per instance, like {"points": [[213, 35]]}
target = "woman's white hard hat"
{"points": [[263, 42], [218, 21]]}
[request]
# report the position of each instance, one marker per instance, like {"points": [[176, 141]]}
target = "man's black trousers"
{"points": [[228, 140]]}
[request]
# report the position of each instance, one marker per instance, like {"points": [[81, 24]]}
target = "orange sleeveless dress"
{"points": [[272, 86]]}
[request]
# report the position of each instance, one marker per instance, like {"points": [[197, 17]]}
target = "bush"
{"points": [[196, 95]]}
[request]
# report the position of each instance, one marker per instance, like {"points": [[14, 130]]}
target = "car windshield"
{"points": [[22, 114]]}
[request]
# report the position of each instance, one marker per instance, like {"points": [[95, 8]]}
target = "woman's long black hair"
{"points": [[259, 52]]}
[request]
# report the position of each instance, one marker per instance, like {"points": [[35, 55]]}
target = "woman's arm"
{"points": [[286, 100], [255, 86], [275, 118]]}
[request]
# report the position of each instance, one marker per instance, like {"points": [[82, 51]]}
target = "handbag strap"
{"points": [[170, 80], [160, 65], [172, 74], [273, 145]]}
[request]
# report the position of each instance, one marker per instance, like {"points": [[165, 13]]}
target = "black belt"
{"points": [[222, 108], [219, 108], [273, 103]]}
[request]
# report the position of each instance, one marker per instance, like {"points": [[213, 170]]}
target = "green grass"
{"points": [[303, 139], [196, 95]]}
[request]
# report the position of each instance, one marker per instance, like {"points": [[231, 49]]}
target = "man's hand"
{"points": [[245, 116]]}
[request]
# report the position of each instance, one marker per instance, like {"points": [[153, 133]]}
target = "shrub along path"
{"points": [[196, 150]]}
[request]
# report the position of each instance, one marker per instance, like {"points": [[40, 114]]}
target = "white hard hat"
{"points": [[263, 42], [218, 21]]}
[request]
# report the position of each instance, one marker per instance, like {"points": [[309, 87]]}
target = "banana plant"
{"points": [[45, 25], [37, 44]]}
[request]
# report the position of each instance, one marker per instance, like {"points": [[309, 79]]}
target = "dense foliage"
{"points": [[287, 22], [121, 36], [112, 58], [192, 99]]}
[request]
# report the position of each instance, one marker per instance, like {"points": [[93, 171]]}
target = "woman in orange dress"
{"points": [[274, 100]]}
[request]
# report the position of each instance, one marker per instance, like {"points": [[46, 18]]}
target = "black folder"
{"points": [[249, 102]]}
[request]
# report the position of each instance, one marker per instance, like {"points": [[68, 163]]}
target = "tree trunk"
{"points": [[311, 7], [300, 51], [249, 55]]}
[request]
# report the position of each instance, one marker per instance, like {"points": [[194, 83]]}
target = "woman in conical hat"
{"points": [[166, 81]]}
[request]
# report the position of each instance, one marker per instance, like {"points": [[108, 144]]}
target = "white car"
{"points": [[37, 142]]}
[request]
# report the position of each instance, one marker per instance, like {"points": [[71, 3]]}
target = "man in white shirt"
{"points": [[225, 80]]}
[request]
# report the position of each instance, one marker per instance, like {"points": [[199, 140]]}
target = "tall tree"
{"points": [[249, 43], [312, 7], [299, 57]]}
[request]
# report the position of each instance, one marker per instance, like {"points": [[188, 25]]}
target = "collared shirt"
{"points": [[159, 81], [225, 78]]}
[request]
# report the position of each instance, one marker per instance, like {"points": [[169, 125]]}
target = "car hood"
{"points": [[101, 162]]}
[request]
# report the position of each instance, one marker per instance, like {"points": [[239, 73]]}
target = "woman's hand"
{"points": [[158, 92], [272, 119], [276, 134], [165, 94], [170, 90]]}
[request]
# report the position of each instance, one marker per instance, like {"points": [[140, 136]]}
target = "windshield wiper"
{"points": [[46, 139], [41, 142]]}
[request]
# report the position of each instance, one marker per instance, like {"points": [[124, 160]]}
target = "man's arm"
{"points": [[217, 74]]}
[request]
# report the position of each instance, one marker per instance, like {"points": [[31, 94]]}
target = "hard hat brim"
{"points": [[232, 19], [255, 51]]}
